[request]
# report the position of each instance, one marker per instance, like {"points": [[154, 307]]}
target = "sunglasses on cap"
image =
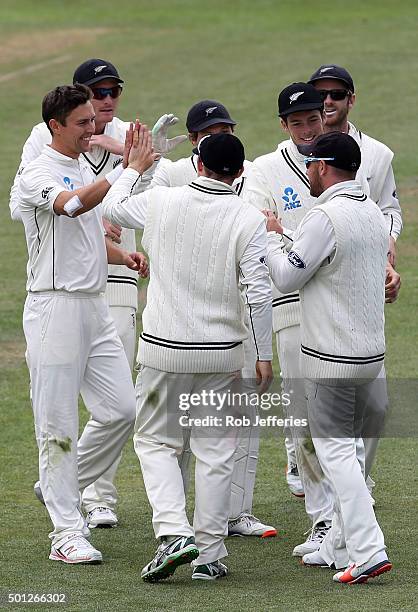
{"points": [[334, 94], [308, 160], [100, 93]]}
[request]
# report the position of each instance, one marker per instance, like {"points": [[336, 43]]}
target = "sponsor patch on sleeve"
{"points": [[295, 260]]}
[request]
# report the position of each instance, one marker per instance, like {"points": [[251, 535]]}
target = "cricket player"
{"points": [[338, 263], [203, 243], [211, 117], [278, 182], [336, 87], [104, 153], [72, 342]]}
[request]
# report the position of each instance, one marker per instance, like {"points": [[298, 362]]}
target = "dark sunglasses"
{"points": [[335, 94], [100, 93]]}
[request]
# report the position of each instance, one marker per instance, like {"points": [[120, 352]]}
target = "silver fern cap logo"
{"points": [[326, 69], [210, 110], [295, 96], [99, 68]]}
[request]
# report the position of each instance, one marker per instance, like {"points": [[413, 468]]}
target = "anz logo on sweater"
{"points": [[291, 199]]}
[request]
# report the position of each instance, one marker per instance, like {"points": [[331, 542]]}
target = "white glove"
{"points": [[161, 144]]}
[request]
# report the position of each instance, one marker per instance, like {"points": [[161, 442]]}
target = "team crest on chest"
{"points": [[290, 199]]}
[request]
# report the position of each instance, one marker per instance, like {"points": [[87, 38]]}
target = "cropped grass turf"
{"points": [[172, 54]]}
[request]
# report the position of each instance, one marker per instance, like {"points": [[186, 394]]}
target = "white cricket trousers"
{"points": [[103, 492], [73, 347], [246, 455], [318, 492], [159, 441], [337, 417]]}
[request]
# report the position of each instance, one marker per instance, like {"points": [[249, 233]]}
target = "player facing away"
{"points": [[204, 118], [340, 251], [72, 342], [192, 342], [104, 153]]}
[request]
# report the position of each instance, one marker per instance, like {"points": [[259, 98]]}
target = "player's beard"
{"points": [[315, 183], [337, 121]]}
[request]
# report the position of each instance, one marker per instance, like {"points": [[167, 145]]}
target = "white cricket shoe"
{"points": [[313, 541], [357, 574], [75, 549], [315, 559], [248, 525], [294, 481], [101, 517]]}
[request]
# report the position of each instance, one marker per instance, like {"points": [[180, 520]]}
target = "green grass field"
{"points": [[172, 54]]}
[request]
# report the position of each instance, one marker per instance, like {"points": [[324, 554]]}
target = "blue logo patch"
{"points": [[295, 260], [290, 199], [68, 183]]}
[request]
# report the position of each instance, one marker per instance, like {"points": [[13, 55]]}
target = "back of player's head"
{"points": [[223, 154], [61, 101]]}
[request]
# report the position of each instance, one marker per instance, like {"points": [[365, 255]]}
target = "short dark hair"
{"points": [[61, 101]]}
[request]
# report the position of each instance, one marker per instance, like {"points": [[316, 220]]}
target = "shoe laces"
{"points": [[77, 540], [249, 519], [318, 531]]}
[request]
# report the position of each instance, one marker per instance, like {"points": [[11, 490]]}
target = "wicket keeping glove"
{"points": [[160, 142]]}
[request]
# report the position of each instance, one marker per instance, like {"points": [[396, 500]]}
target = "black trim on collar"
{"points": [[359, 198], [239, 186], [99, 167], [193, 164], [293, 166], [211, 190]]}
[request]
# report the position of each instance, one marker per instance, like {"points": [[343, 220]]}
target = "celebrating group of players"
{"points": [[315, 267]]}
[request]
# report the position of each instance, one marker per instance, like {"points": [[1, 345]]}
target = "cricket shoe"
{"points": [[313, 541], [356, 574], [101, 517], [294, 481], [210, 571], [75, 549], [168, 556], [314, 559], [248, 525]]}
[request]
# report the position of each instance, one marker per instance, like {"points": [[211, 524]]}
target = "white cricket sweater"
{"points": [[278, 181], [194, 320], [121, 287], [342, 305], [376, 176], [184, 171]]}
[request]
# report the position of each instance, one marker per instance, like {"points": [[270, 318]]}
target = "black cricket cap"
{"points": [[342, 148], [221, 153], [299, 97], [206, 113], [95, 70], [331, 71]]}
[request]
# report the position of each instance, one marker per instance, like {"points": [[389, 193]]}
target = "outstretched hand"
{"points": [[139, 153], [161, 143]]}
